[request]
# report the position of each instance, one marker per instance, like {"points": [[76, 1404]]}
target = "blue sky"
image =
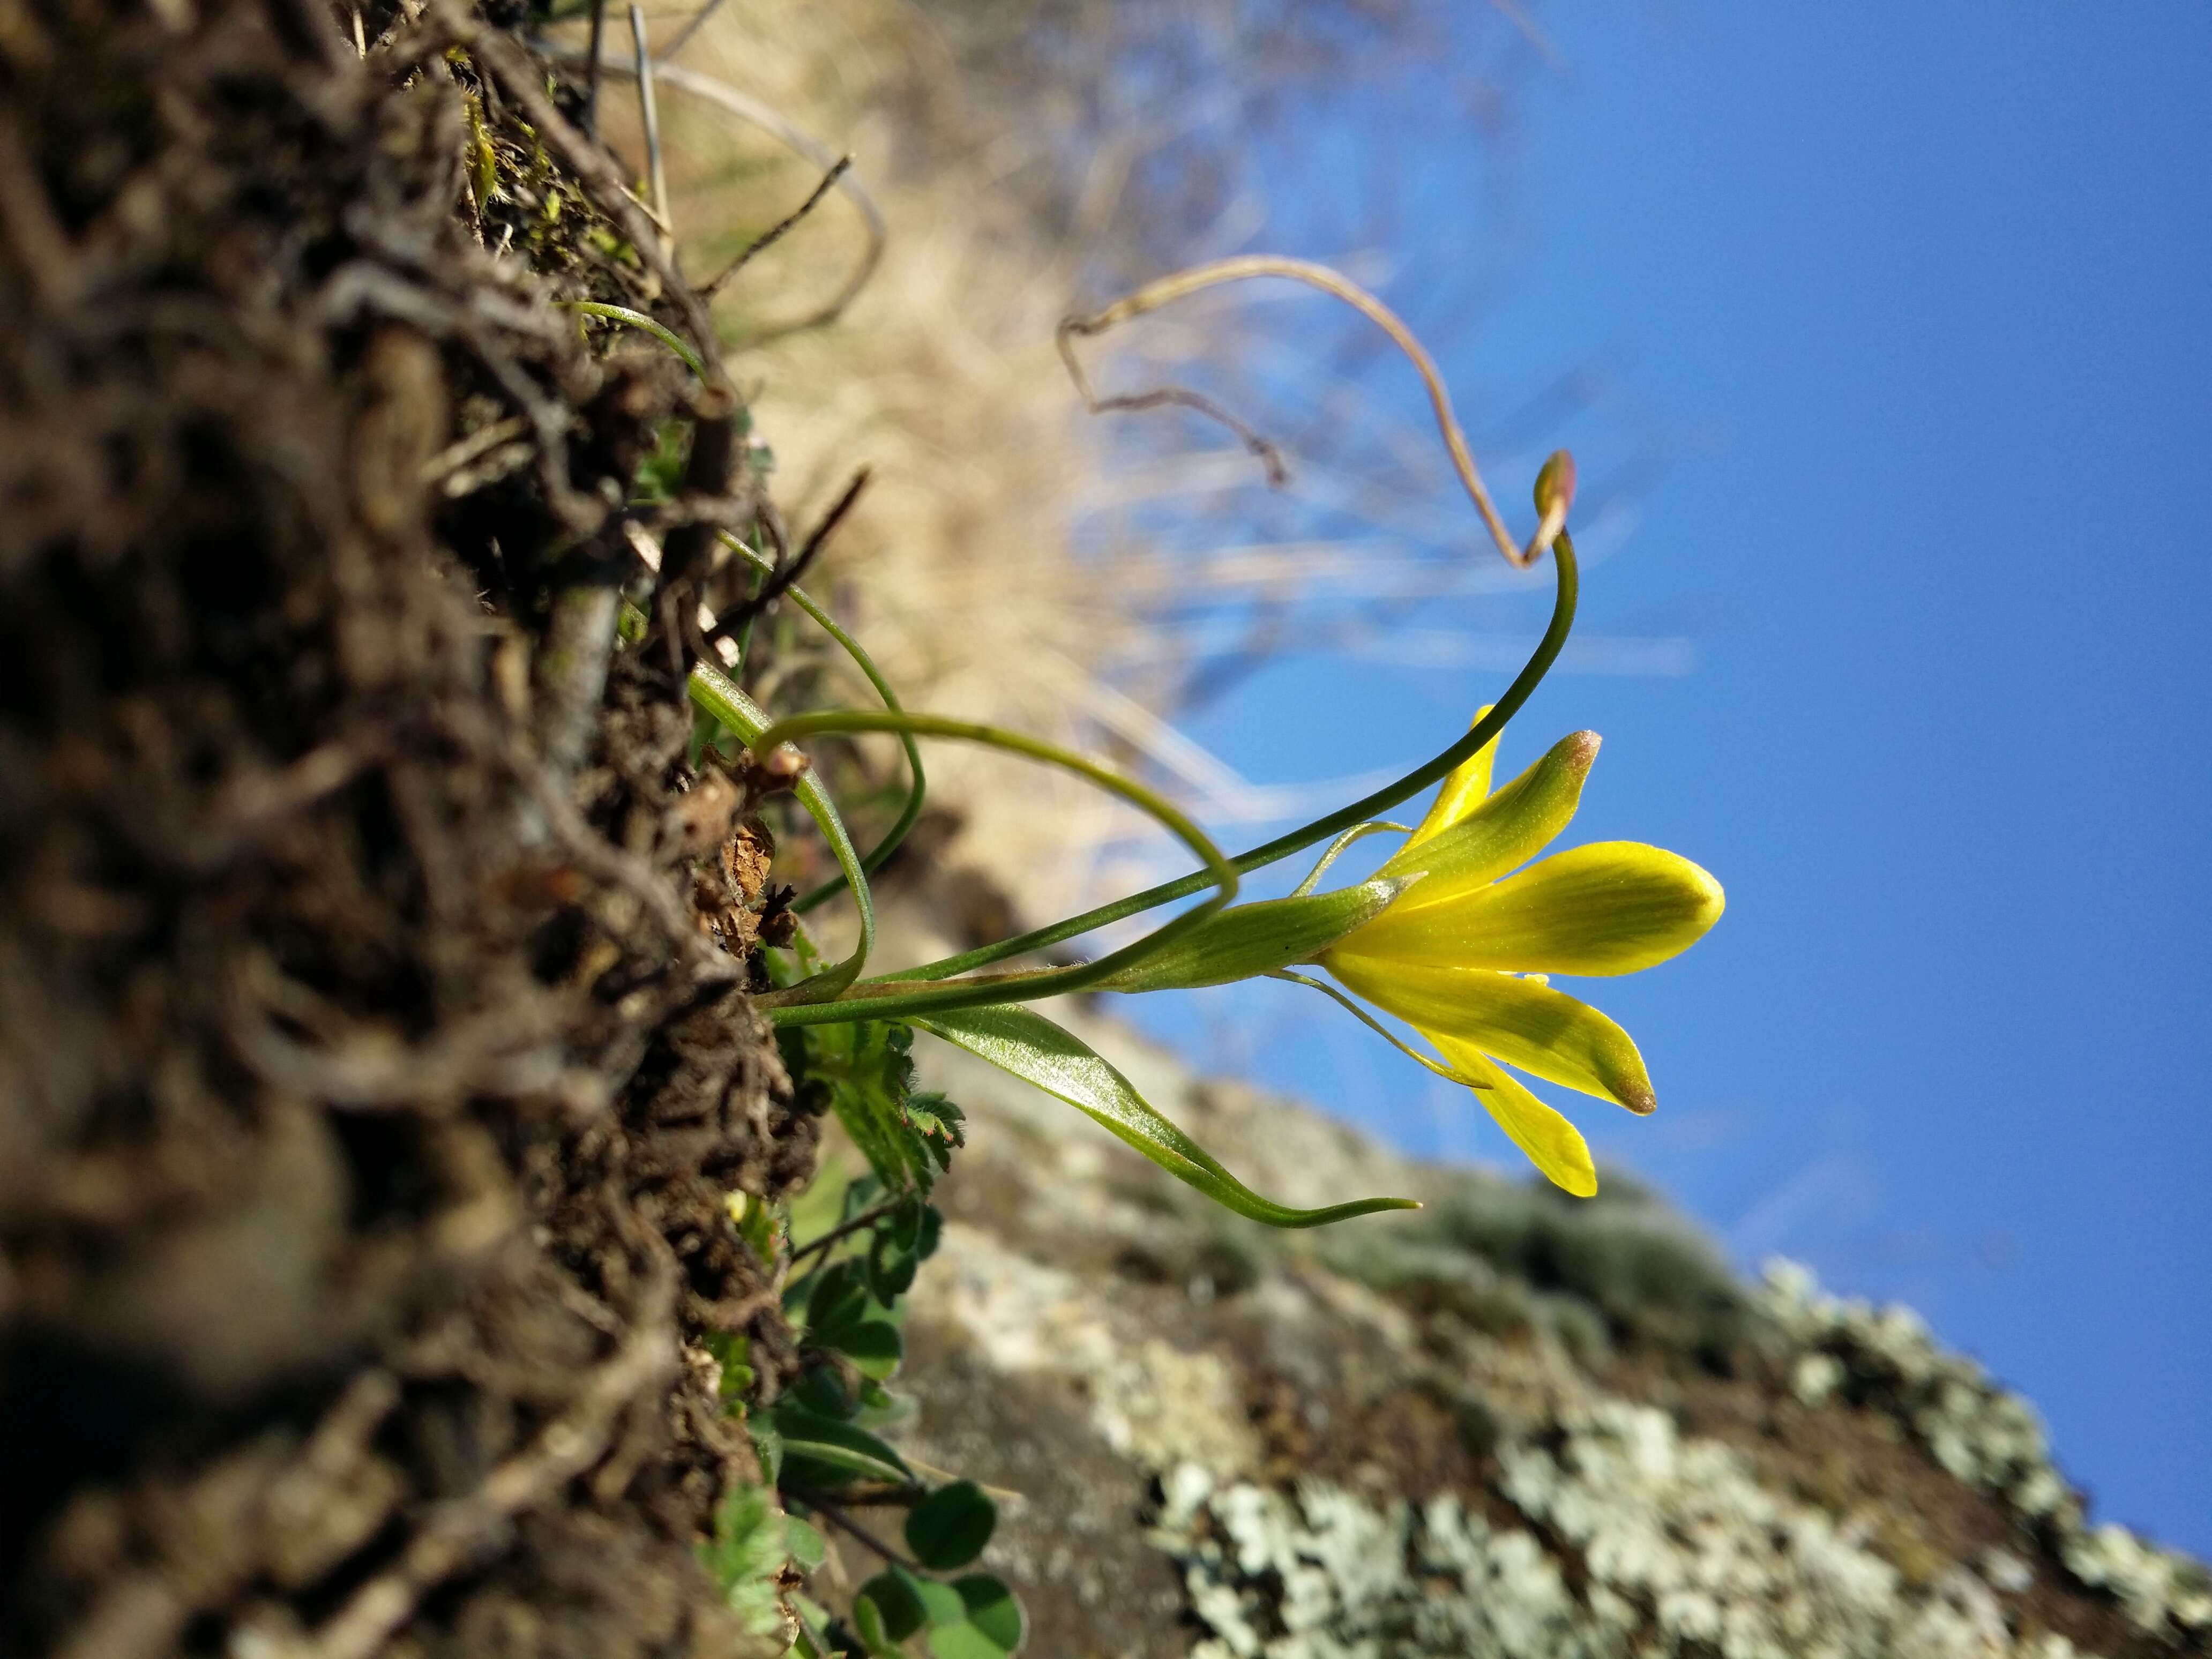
{"points": [[1924, 294]]}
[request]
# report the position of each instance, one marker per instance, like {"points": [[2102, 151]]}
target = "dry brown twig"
{"points": [[1182, 283], [649, 112], [788, 572], [753, 112], [775, 232]]}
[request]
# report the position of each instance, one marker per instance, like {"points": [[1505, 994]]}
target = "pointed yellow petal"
{"points": [[1463, 789], [1553, 1144], [1611, 908], [1560, 1038], [1509, 828]]}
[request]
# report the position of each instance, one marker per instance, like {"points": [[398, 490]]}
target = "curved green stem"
{"points": [[1450, 1074], [916, 794], [1508, 705], [715, 692], [891, 999], [1357, 831], [917, 791], [638, 319]]}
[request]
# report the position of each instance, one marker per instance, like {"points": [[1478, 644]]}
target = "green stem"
{"points": [[1357, 831], [639, 319], [1531, 673], [888, 999], [715, 692], [1450, 1074], [917, 791], [916, 794]]}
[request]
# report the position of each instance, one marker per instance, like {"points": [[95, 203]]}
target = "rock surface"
{"points": [[1512, 1424]]}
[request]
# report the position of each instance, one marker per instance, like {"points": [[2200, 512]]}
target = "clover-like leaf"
{"points": [[873, 1346], [993, 1625], [832, 1299], [896, 1604], [949, 1527], [880, 1630], [940, 1603]]}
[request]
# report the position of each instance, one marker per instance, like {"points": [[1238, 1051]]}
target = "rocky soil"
{"points": [[1512, 1424]]}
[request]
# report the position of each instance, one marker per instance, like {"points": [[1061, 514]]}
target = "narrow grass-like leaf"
{"points": [[1033, 1048], [918, 783], [840, 1445], [1484, 732], [808, 1004], [638, 319]]}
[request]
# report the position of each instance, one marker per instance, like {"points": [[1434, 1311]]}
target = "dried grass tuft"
{"points": [[1015, 561]]}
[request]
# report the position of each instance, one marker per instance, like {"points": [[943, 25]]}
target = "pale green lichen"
{"points": [[1885, 1360], [1680, 1550], [1150, 1401]]}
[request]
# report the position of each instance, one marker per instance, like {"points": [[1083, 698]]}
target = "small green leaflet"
{"points": [[948, 1528], [992, 1628], [906, 1138], [752, 1539], [1033, 1048], [972, 1617], [942, 1125]]}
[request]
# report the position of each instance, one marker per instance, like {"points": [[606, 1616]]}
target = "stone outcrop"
{"points": [[1512, 1424]]}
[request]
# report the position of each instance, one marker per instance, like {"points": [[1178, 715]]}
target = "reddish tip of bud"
{"points": [[1581, 751], [1555, 483]]}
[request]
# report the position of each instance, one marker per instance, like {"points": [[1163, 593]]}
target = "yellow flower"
{"points": [[1463, 952]]}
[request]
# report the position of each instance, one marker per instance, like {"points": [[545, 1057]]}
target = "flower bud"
{"points": [[1555, 485]]}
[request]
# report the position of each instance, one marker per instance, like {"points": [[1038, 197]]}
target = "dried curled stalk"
{"points": [[1182, 283]]}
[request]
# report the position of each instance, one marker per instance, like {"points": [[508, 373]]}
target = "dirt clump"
{"points": [[370, 1088]]}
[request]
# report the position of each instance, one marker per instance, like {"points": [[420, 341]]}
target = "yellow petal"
{"points": [[1611, 908], [1560, 1038], [1553, 1144], [1463, 789], [1509, 828]]}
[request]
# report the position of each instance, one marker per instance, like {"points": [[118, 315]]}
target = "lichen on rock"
{"points": [[1512, 1426], [1989, 1437], [1670, 1544]]}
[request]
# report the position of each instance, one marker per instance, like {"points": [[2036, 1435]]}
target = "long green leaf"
{"points": [[824, 1439], [1033, 1048], [810, 1003]]}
